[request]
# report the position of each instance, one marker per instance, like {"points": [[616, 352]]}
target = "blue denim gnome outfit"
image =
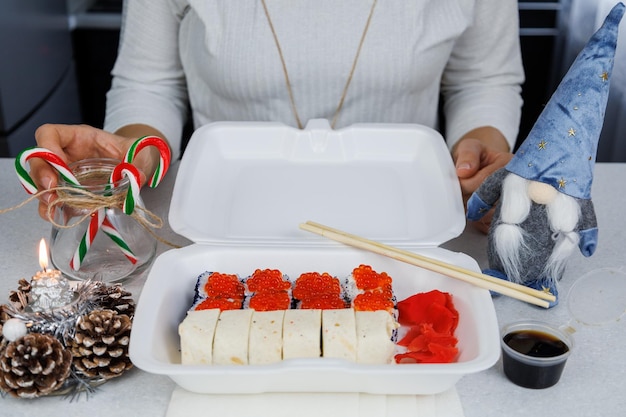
{"points": [[543, 195]]}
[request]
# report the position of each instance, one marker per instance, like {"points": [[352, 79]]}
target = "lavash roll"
{"points": [[265, 344], [196, 333], [339, 338], [302, 333], [230, 344], [374, 330]]}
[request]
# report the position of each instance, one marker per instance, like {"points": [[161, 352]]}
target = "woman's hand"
{"points": [[76, 142], [477, 155]]}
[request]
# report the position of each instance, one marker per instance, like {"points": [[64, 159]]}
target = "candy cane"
{"points": [[164, 156], [108, 228], [102, 222], [129, 171], [66, 173], [97, 218], [25, 179]]}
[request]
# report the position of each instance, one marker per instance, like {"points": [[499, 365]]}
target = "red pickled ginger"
{"points": [[432, 320]]}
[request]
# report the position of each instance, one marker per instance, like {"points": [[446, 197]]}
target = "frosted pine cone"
{"points": [[4, 316], [115, 298], [100, 346], [20, 297], [3, 341], [34, 365]]}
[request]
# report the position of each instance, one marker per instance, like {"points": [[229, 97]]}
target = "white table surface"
{"points": [[592, 384]]}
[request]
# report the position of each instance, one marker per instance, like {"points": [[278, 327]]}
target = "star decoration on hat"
{"points": [[572, 119]]}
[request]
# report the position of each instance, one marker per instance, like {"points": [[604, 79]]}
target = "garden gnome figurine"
{"points": [[543, 195]]}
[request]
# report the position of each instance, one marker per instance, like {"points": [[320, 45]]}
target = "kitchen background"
{"points": [[56, 57]]}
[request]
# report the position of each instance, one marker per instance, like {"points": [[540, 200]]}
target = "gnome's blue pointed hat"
{"points": [[560, 149]]}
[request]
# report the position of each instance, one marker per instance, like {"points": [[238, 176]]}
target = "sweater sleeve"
{"points": [[481, 84], [148, 84]]}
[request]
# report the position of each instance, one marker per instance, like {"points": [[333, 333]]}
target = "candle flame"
{"points": [[43, 255]]}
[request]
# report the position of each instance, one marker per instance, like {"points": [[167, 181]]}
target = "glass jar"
{"points": [[102, 256]]}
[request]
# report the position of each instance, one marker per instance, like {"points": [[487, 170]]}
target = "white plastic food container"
{"points": [[241, 192]]}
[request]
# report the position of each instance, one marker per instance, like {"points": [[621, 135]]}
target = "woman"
{"points": [[349, 61]]}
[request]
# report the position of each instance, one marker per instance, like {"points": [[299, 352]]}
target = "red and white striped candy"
{"points": [[100, 221], [43, 153], [108, 228], [97, 218], [164, 156], [125, 169]]}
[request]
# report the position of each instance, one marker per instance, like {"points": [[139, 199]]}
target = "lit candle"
{"points": [[46, 276], [49, 288]]}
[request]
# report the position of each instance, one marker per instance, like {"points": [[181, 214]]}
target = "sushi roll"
{"points": [[218, 290], [369, 290], [302, 334], [314, 290], [265, 343], [339, 338], [268, 290], [196, 333], [230, 343], [374, 332], [363, 278]]}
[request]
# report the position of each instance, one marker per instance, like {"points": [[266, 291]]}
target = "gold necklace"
{"points": [[282, 60]]}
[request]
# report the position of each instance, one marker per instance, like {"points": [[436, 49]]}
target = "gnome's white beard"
{"points": [[509, 238]]}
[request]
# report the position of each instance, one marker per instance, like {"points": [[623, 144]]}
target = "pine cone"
{"points": [[115, 298], [21, 297], [100, 346], [3, 341], [4, 316], [34, 365]]}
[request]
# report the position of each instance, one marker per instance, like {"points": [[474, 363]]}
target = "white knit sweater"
{"points": [[220, 57]]}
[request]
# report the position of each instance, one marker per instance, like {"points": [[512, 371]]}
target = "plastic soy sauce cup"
{"points": [[534, 353]]}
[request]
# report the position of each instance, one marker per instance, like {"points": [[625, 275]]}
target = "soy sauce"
{"points": [[536, 343], [529, 370]]}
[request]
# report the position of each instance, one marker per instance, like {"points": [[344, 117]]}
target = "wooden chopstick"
{"points": [[510, 289]]}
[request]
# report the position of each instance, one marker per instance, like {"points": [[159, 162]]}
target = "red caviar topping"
{"points": [[267, 279], [366, 278], [313, 283], [323, 302], [221, 303], [224, 285], [372, 301], [270, 301]]}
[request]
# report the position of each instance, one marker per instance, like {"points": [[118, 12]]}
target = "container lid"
{"points": [[254, 183]]}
